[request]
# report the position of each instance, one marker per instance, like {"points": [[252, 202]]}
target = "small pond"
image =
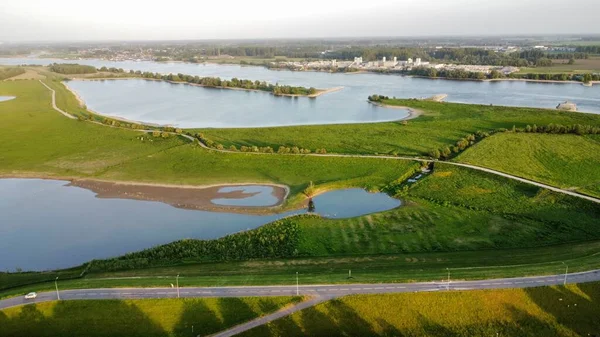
{"points": [[48, 225]]}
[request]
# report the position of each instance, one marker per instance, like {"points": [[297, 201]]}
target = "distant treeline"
{"points": [[10, 72], [276, 240], [72, 68], [217, 82], [495, 74]]}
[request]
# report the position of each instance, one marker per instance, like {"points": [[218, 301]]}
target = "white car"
{"points": [[31, 296]]}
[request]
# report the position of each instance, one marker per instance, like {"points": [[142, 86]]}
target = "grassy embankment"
{"points": [[545, 311], [566, 161], [164, 317], [442, 124], [37, 141], [476, 224]]}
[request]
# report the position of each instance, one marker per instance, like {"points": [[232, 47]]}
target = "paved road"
{"points": [[310, 290]]}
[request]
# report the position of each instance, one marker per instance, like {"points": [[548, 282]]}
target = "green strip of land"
{"points": [[144, 318], [545, 311]]}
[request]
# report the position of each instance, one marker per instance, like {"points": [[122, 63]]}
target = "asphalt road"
{"points": [[310, 290]]}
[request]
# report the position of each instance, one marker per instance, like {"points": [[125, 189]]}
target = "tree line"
{"points": [[72, 68], [278, 239], [263, 149], [216, 82]]}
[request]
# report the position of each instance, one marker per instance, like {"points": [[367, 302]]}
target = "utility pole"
{"points": [[297, 285], [56, 285], [566, 272], [177, 281]]}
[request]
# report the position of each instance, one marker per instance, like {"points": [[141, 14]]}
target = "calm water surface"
{"points": [[47, 225], [223, 108]]}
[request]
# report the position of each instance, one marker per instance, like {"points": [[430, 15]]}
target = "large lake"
{"points": [[201, 107], [47, 225]]}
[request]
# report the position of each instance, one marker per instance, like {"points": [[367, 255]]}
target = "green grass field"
{"points": [[37, 141], [128, 318], [442, 125], [545, 311], [566, 161]]}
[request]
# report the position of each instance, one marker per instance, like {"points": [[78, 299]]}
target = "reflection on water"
{"points": [[6, 98], [47, 225], [255, 196]]}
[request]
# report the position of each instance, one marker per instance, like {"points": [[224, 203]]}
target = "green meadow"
{"points": [[442, 124], [545, 311], [567, 161], [129, 318]]}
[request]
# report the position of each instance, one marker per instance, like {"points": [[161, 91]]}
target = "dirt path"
{"points": [[54, 102]]}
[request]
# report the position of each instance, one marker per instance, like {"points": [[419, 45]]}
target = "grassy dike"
{"points": [[129, 318], [545, 311], [440, 125]]}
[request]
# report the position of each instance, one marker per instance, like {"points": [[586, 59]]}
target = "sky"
{"points": [[81, 20]]}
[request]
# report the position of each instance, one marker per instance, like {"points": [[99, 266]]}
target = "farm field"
{"points": [[442, 124], [147, 317], [583, 66], [545, 311], [567, 161]]}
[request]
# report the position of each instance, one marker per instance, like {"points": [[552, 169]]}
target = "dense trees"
{"points": [[72, 68], [216, 82]]}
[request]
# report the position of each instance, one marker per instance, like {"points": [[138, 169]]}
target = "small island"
{"points": [[91, 73]]}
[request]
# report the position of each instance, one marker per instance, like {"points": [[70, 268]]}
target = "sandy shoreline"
{"points": [[412, 112]]}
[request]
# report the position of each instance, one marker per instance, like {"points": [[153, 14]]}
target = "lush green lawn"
{"points": [[442, 125], [543, 311], [128, 318], [567, 161]]}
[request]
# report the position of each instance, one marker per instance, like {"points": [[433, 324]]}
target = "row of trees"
{"points": [[577, 129], [266, 149], [378, 98], [216, 82], [279, 239], [449, 151], [72, 68], [585, 78]]}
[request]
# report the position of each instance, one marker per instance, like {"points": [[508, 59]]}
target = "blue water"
{"points": [[258, 196], [202, 107], [47, 225]]}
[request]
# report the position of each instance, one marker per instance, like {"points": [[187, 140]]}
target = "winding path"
{"points": [[474, 167], [54, 102]]}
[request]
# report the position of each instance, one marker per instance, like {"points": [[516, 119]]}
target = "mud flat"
{"points": [[187, 197]]}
